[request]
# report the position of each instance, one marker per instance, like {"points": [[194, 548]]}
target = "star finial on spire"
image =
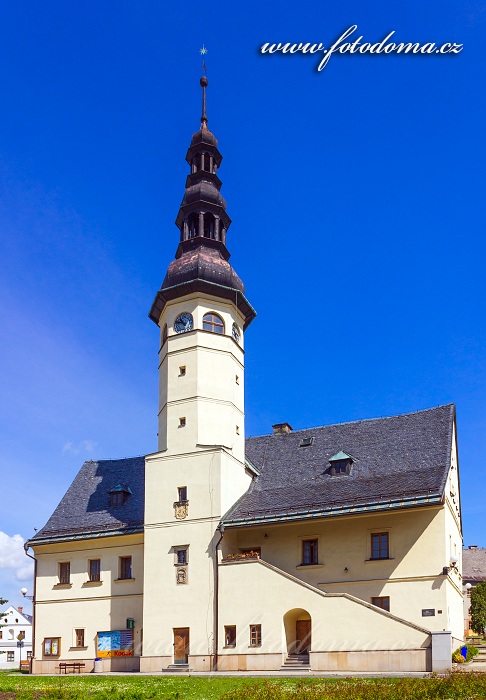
{"points": [[203, 52]]}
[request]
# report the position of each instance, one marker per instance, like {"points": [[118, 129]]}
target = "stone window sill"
{"points": [[77, 648], [123, 580], [92, 583], [229, 646], [63, 585], [309, 566], [382, 559]]}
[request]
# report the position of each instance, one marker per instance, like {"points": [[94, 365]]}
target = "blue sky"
{"points": [[356, 195]]}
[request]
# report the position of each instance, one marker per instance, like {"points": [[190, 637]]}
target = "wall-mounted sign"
{"points": [[116, 643], [428, 612]]}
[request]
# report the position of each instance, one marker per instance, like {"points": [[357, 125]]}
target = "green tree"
{"points": [[478, 608]]}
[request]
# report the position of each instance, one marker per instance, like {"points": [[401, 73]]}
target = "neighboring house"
{"points": [[16, 626], [336, 548], [473, 572]]}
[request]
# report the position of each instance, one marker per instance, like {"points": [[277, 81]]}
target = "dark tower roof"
{"points": [[201, 263]]}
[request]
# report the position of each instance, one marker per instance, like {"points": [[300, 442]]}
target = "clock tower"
{"points": [[199, 471]]}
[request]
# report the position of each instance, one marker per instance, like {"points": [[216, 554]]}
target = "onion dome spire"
{"points": [[201, 262]]}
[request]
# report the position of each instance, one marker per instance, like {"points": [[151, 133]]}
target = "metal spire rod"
{"points": [[203, 82]]}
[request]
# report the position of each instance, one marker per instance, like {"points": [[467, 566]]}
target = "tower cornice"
{"points": [[168, 294]]}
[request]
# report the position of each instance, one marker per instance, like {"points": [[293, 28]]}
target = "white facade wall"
{"points": [[13, 623], [412, 578], [95, 607]]}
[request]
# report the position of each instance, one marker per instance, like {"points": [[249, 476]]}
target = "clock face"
{"points": [[183, 323], [235, 332]]}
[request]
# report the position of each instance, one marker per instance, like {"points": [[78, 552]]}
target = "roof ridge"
{"points": [[361, 420], [112, 459]]}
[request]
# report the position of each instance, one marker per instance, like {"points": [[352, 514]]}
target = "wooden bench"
{"points": [[76, 666]]}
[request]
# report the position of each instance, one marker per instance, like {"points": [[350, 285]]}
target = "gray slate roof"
{"points": [[397, 462], [474, 564], [403, 459], [85, 509]]}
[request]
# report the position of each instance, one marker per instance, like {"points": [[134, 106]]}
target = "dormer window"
{"points": [[340, 464], [306, 442], [119, 494]]}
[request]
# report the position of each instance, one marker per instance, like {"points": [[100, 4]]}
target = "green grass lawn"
{"points": [[457, 686]]}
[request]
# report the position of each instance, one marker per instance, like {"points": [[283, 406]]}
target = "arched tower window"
{"points": [[206, 162], [213, 323], [209, 227], [193, 225]]}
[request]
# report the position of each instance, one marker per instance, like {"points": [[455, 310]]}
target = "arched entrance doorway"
{"points": [[298, 631]]}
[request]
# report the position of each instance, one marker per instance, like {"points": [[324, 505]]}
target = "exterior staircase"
{"points": [[481, 657], [296, 662], [176, 668]]}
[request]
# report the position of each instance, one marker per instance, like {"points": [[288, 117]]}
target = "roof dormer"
{"points": [[119, 494], [341, 464]]}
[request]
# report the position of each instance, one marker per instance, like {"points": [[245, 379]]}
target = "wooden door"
{"points": [[181, 645], [302, 636]]}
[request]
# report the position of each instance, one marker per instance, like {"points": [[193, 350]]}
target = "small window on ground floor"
{"points": [[79, 637], [29, 655], [382, 601], [255, 635], [230, 635], [52, 646], [10, 656]]}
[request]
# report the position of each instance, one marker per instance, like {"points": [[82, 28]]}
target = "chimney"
{"points": [[20, 608], [280, 428]]}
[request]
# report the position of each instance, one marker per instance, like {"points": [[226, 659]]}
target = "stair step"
{"points": [[177, 668], [296, 662]]}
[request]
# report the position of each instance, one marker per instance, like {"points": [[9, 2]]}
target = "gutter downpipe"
{"points": [[216, 598], [26, 547]]}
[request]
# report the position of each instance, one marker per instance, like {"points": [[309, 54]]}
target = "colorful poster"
{"points": [[116, 643]]}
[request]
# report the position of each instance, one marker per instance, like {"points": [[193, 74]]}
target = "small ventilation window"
{"points": [[182, 371], [340, 463], [182, 422], [306, 442]]}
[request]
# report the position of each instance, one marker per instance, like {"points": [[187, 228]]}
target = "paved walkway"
{"points": [[475, 666], [478, 667]]}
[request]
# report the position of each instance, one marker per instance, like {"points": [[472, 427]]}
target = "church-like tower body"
{"points": [[199, 471]]}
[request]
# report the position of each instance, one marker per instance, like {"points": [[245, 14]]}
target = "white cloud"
{"points": [[12, 556], [83, 446]]}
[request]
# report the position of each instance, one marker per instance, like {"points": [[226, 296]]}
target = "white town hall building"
{"points": [[334, 548]]}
